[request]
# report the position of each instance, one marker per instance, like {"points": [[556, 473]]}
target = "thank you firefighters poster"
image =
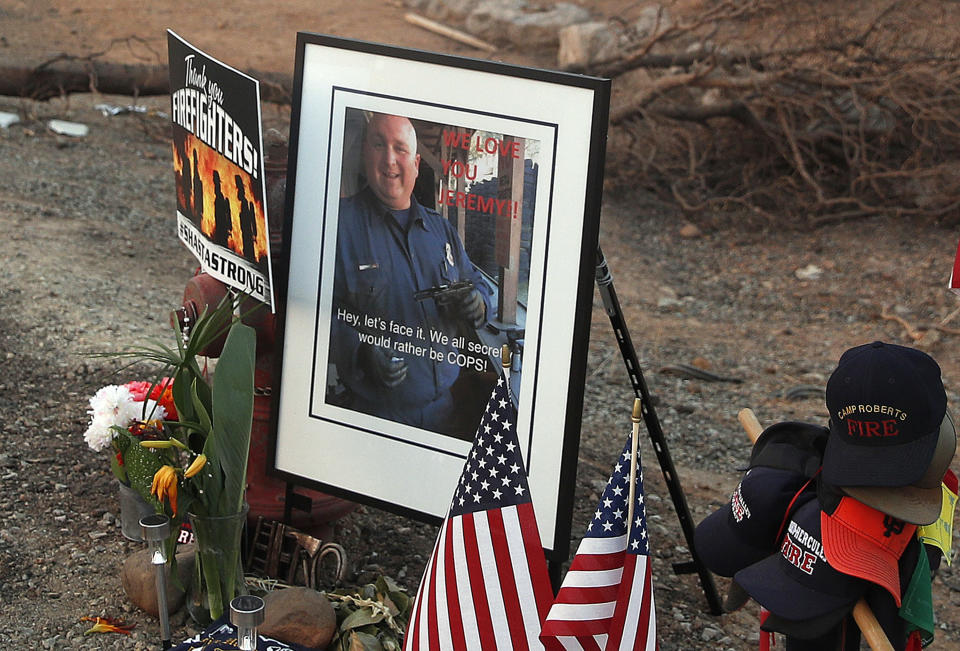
{"points": [[219, 169]]}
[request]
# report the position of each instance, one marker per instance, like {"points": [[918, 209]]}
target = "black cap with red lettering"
{"points": [[746, 528], [799, 583], [886, 403]]}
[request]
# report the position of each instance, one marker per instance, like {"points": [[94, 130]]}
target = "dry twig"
{"points": [[912, 332], [849, 111]]}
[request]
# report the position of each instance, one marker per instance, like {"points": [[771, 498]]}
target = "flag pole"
{"points": [[636, 417], [506, 360]]}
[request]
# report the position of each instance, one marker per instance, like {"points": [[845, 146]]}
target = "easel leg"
{"points": [[612, 306], [553, 571]]}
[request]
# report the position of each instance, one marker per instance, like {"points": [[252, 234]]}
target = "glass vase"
{"points": [[218, 575]]}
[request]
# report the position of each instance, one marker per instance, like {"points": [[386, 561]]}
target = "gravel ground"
{"points": [[91, 262]]}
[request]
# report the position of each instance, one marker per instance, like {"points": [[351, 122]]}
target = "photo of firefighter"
{"points": [[220, 200], [415, 330]]}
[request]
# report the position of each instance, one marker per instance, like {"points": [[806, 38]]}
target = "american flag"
{"points": [[606, 598], [486, 585]]}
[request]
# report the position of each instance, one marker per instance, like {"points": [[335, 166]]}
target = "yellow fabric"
{"points": [[940, 533]]}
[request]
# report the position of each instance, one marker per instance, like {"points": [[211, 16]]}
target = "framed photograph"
{"points": [[438, 209]]}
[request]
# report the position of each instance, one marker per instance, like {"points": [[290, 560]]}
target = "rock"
{"points": [[689, 231], [653, 20], [138, 577], [442, 10], [810, 272], [299, 615], [702, 363], [541, 28], [586, 43], [491, 19]]}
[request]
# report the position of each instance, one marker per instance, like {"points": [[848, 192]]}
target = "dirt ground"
{"points": [[91, 262]]}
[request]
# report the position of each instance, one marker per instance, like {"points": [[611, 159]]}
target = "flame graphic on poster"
{"points": [[196, 178]]}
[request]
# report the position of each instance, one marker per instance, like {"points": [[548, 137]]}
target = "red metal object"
{"points": [[767, 639], [266, 495]]}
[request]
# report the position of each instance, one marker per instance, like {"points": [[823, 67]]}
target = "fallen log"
{"points": [[65, 75]]}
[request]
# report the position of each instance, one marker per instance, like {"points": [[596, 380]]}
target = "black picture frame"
{"points": [[545, 124]]}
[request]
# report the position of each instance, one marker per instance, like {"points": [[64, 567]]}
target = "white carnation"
{"points": [[113, 405], [153, 411], [99, 434]]}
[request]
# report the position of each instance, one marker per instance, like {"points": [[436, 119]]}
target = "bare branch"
{"points": [[832, 118]]}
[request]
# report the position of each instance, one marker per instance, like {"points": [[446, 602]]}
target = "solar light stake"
{"points": [[246, 613], [156, 529]]}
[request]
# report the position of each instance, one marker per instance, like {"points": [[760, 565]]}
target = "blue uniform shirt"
{"points": [[379, 266]]}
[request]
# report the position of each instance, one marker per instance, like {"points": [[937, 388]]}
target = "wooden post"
{"points": [[509, 222]]}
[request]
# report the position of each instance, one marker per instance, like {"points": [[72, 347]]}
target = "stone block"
{"points": [[653, 19], [299, 615], [586, 43], [541, 28], [491, 19], [452, 10], [139, 579]]}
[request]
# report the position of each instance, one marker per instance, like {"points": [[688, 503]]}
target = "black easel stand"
{"points": [[612, 306]]}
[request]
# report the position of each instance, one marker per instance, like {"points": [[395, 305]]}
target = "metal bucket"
{"points": [[132, 508]]}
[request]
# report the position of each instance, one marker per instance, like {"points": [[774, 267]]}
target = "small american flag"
{"points": [[486, 585], [606, 599]]}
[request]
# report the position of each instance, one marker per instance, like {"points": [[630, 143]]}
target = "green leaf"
{"points": [[363, 642], [391, 595], [203, 414], [358, 618], [119, 471], [401, 600], [386, 584], [232, 400], [141, 465], [183, 394], [390, 644]]}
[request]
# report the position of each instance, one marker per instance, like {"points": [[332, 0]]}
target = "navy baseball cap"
{"points": [[791, 445], [811, 628], [886, 404], [799, 583], [745, 530], [880, 600], [920, 502]]}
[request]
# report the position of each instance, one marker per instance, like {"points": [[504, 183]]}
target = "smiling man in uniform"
{"points": [[399, 361]]}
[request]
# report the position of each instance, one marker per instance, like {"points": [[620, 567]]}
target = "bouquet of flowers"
{"points": [[195, 434], [121, 415]]}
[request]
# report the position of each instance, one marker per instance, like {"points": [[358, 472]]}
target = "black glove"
{"points": [[467, 305], [379, 366]]}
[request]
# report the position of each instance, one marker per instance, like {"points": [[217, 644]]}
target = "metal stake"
{"points": [[156, 529]]}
